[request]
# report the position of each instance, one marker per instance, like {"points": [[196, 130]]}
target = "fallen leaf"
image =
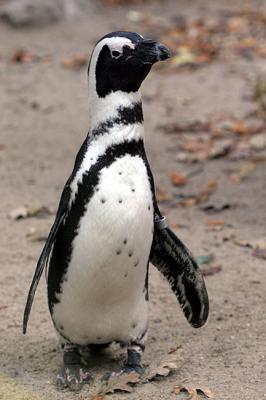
{"points": [[121, 382], [253, 243], [164, 369], [178, 179], [184, 57], [213, 209], [98, 397], [242, 128], [163, 196], [209, 271], [215, 222], [37, 235], [75, 62], [188, 202], [259, 253], [30, 211], [194, 392], [174, 349], [220, 148], [23, 56]]}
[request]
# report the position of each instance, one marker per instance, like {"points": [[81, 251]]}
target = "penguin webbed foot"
{"points": [[133, 363], [127, 369], [74, 373]]}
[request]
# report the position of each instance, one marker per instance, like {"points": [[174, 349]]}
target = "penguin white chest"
{"points": [[102, 298]]}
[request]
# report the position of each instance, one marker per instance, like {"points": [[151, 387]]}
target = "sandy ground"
{"points": [[43, 122]]}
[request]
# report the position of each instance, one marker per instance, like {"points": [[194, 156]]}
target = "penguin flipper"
{"points": [[171, 257], [44, 257]]}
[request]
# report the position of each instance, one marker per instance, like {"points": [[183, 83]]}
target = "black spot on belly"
{"points": [[149, 207], [118, 252], [120, 201], [103, 200], [133, 190], [134, 324], [125, 241], [125, 275], [61, 327], [130, 254], [120, 172], [136, 263], [98, 338]]}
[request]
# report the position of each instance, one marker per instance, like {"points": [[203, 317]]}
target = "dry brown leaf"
{"points": [[163, 195], [253, 243], [194, 393], [121, 382], [164, 369], [37, 235], [214, 209], [215, 222], [178, 179], [188, 202], [29, 211], [75, 62], [184, 57], [98, 397], [174, 349], [23, 56]]}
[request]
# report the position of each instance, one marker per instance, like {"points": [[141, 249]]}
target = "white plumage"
{"points": [[102, 297]]}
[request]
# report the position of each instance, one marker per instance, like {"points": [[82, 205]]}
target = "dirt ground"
{"points": [[43, 121]]}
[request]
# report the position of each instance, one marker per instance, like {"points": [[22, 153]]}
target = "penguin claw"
{"points": [[73, 377], [61, 380]]}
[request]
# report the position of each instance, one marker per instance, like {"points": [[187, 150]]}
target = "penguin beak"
{"points": [[163, 53], [152, 51]]}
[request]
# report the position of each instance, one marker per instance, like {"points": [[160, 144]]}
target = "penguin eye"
{"points": [[116, 54], [128, 52]]}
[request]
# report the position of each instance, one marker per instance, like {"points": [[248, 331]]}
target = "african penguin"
{"points": [[108, 225]]}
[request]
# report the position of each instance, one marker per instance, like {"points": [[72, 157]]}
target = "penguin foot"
{"points": [[74, 374], [73, 377], [127, 369], [133, 364]]}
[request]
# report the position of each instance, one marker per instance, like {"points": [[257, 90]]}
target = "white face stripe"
{"points": [[102, 109], [114, 43]]}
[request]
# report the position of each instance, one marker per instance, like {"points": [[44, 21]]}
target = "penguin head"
{"points": [[121, 60]]}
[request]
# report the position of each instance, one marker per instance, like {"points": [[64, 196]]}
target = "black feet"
{"points": [[73, 377], [74, 374], [133, 363]]}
